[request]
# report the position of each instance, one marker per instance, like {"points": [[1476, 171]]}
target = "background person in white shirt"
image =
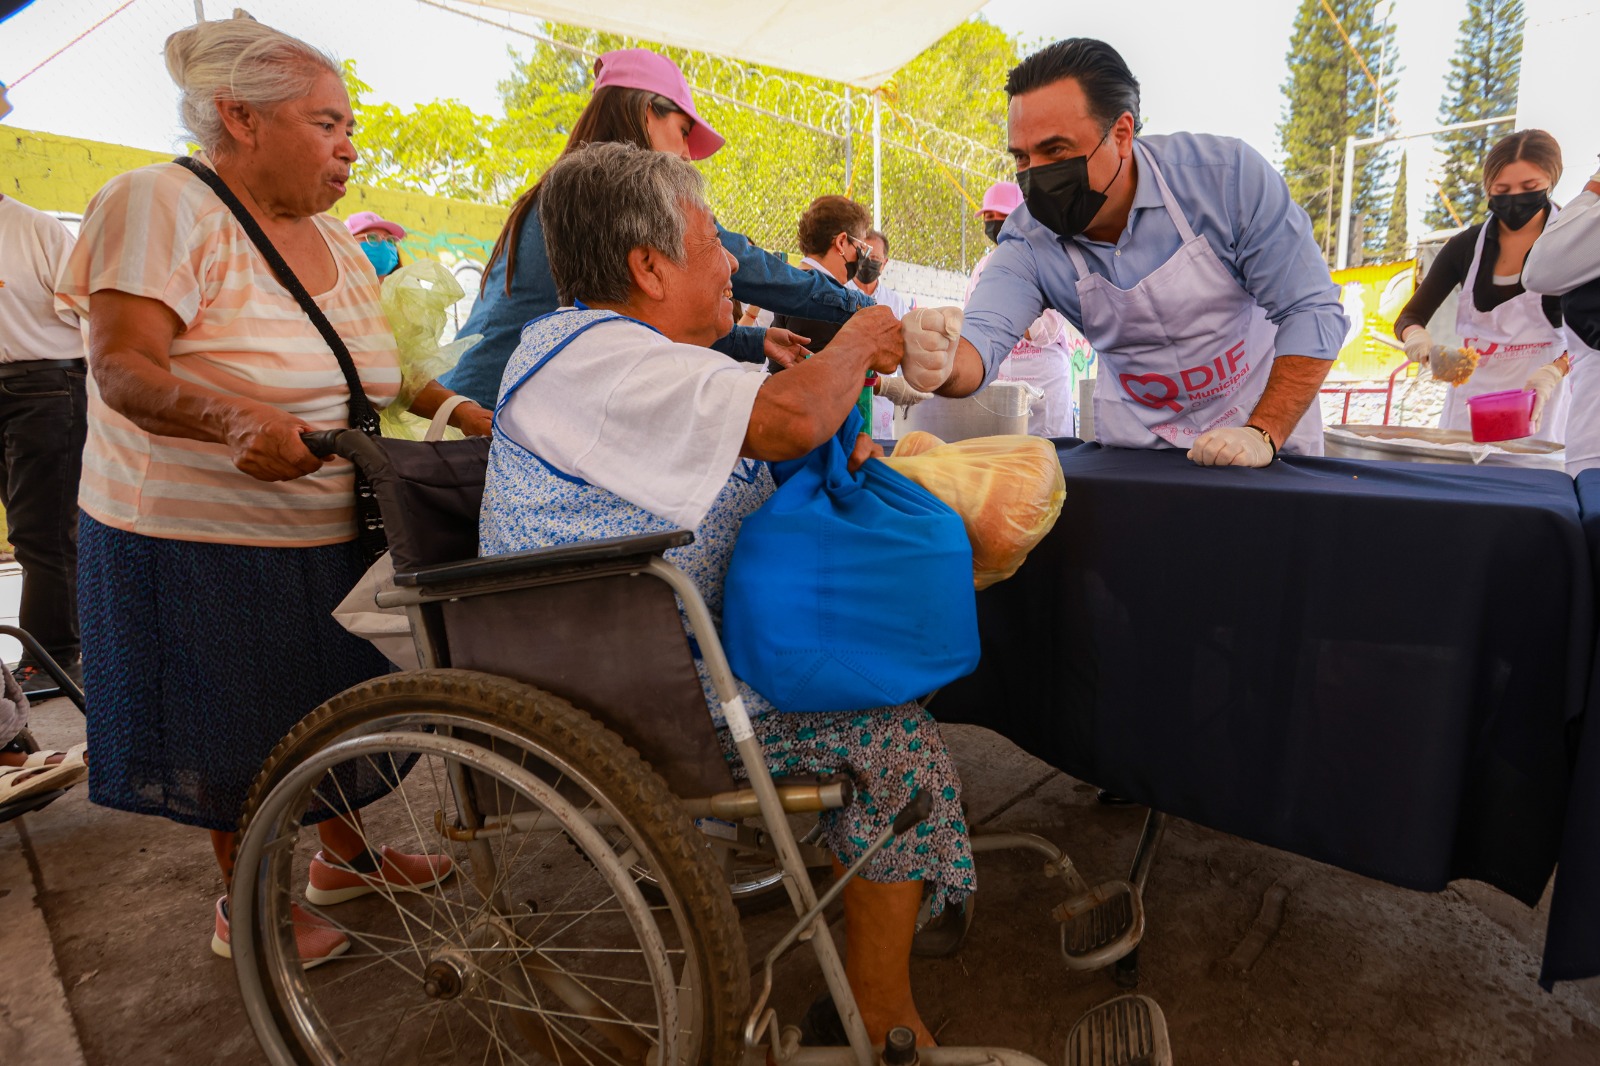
{"points": [[42, 424], [869, 277]]}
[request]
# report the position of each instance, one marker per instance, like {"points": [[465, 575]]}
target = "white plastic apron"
{"points": [[1047, 366], [1184, 351], [1513, 341]]}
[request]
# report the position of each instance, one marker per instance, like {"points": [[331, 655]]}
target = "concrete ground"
{"points": [[105, 920]]}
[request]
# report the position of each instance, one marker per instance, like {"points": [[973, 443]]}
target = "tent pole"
{"points": [[877, 161], [1342, 253], [199, 10]]}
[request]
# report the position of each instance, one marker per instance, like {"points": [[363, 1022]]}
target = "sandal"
{"points": [[38, 775]]}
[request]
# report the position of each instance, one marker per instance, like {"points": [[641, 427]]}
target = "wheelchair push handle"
{"points": [[321, 442], [914, 813]]}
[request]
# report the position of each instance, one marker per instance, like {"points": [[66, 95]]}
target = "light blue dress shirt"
{"points": [[1231, 196]]}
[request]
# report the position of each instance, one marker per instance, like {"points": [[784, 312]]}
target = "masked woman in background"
{"points": [[1517, 334]]}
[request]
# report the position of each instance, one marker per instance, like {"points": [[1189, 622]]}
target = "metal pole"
{"points": [[849, 141], [199, 10], [1352, 143], [1342, 253], [1327, 223], [877, 162]]}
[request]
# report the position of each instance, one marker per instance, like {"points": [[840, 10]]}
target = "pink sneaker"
{"points": [[317, 940], [334, 882]]}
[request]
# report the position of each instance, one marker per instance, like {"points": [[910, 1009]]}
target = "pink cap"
{"points": [[362, 221], [640, 68], [1003, 196]]}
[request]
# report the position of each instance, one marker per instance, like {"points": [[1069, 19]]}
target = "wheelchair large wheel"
{"points": [[541, 947]]}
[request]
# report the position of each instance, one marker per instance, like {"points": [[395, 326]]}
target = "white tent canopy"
{"points": [[860, 44]]}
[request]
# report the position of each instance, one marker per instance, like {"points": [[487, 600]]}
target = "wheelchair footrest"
{"points": [[1100, 926], [1126, 1031]]}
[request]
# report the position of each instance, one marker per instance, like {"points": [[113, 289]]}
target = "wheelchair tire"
{"points": [[497, 945]]}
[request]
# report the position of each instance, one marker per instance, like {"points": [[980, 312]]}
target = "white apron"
{"points": [[1513, 341], [1184, 351], [1047, 366]]}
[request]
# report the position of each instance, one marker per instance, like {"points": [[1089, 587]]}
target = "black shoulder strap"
{"points": [[362, 416]]}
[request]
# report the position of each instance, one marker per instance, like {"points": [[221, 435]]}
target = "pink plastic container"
{"points": [[1501, 415]]}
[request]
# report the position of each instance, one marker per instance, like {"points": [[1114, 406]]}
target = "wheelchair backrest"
{"points": [[612, 645]]}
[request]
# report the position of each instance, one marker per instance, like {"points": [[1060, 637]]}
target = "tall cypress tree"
{"points": [[1328, 99], [1483, 84]]}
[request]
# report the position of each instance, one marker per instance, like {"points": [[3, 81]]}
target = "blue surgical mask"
{"points": [[384, 256]]}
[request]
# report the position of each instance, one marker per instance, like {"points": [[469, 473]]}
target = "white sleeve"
{"points": [[1567, 253], [658, 423]]}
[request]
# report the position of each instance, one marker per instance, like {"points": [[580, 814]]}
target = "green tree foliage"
{"points": [[789, 137], [1396, 242], [1484, 74], [1329, 98]]}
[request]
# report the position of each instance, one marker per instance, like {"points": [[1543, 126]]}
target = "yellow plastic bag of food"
{"points": [[1008, 490], [416, 300]]}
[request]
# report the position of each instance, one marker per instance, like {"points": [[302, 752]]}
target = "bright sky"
{"points": [[1200, 69]]}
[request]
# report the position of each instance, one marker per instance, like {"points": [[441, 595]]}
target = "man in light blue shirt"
{"points": [[1182, 258]]}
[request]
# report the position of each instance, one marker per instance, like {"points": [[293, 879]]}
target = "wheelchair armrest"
{"points": [[492, 570]]}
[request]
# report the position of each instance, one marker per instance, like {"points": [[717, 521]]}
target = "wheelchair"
{"points": [[556, 745]]}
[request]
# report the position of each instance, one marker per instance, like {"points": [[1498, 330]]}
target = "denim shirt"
{"points": [[762, 279]]}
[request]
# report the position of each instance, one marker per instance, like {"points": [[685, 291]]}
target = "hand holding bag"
{"points": [[849, 591]]}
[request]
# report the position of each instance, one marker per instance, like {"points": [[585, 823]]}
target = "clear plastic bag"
{"points": [[1008, 491], [416, 300]]}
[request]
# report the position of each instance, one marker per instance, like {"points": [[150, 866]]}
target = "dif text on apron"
{"points": [[1186, 350], [1512, 341]]}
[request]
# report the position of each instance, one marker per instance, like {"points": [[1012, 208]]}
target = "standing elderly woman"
{"points": [[213, 544], [616, 418]]}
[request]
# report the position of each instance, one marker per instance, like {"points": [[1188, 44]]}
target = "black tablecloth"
{"points": [[1377, 665], [1572, 945]]}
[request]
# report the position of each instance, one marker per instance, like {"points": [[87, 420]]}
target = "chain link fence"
{"points": [[790, 141]]}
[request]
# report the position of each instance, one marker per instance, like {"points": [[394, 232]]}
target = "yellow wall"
{"points": [[56, 173]]}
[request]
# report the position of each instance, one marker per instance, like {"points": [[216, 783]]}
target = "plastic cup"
{"points": [[1502, 415]]}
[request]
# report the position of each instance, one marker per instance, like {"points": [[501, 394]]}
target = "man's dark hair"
{"points": [[1098, 69], [878, 233]]}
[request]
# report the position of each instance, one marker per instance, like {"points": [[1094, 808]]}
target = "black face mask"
{"points": [[991, 228], [1059, 195], [868, 268], [851, 266], [1517, 209]]}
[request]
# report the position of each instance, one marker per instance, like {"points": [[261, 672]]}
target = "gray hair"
{"points": [[242, 60], [600, 202]]}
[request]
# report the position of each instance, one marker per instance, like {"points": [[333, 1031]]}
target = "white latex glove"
{"points": [[893, 388], [1544, 382], [1231, 446], [931, 335], [1419, 346]]}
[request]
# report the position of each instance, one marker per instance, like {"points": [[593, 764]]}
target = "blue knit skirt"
{"points": [[198, 658]]}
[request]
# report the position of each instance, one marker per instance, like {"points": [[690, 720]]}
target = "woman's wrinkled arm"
{"points": [[805, 405], [130, 338], [471, 418]]}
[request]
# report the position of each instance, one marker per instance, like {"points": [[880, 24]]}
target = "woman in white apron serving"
{"points": [[1517, 334], [1181, 258]]}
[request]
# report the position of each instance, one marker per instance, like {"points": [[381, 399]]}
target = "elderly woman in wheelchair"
{"points": [[615, 418], [563, 584]]}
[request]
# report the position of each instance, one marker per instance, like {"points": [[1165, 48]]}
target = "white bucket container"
{"points": [[997, 410]]}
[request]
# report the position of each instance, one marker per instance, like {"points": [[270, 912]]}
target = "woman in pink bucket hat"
{"points": [[640, 98]]}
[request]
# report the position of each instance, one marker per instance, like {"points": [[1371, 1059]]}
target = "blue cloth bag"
{"points": [[849, 591]]}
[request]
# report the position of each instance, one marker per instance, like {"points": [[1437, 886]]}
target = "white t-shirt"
{"points": [[33, 245], [897, 302], [656, 422]]}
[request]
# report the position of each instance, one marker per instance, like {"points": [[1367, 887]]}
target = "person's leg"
{"points": [[879, 921], [44, 421], [222, 847]]}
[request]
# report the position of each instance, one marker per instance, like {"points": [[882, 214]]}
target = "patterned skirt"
{"points": [[890, 755], [198, 658]]}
